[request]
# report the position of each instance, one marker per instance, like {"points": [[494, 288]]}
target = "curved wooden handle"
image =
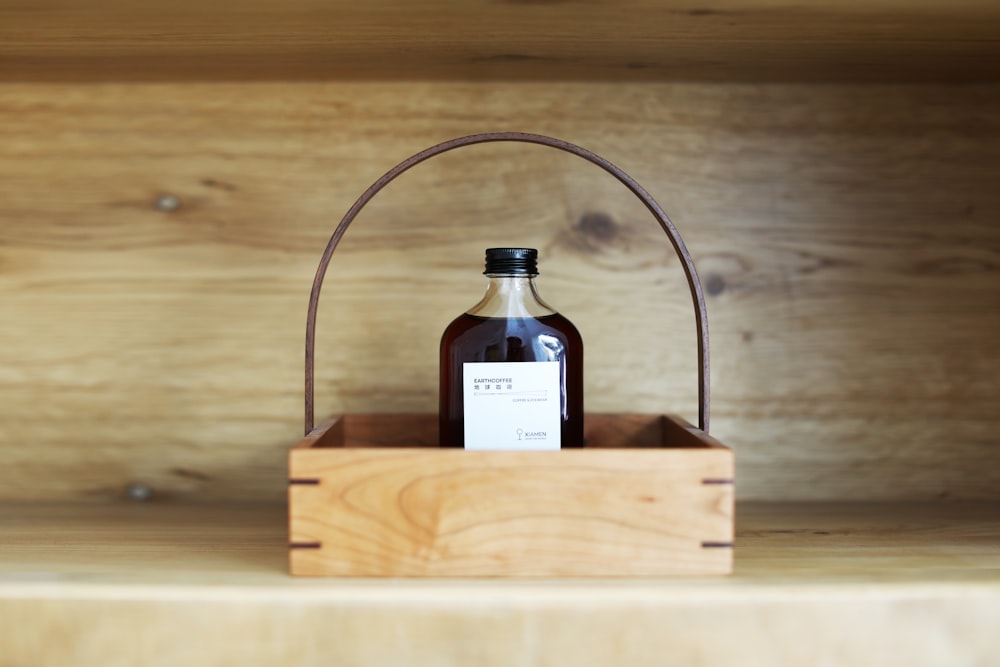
{"points": [[701, 318]]}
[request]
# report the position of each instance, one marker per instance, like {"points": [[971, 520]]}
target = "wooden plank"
{"points": [[412, 511], [749, 40], [100, 550], [838, 584], [846, 236]]}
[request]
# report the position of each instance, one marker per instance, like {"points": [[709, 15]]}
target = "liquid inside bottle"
{"points": [[516, 362]]}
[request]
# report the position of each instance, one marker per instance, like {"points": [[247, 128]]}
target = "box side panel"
{"points": [[391, 512]]}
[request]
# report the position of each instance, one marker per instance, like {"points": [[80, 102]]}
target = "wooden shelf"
{"points": [[845, 583], [886, 40], [837, 228]]}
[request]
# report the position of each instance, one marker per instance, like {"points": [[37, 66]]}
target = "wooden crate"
{"points": [[373, 496]]}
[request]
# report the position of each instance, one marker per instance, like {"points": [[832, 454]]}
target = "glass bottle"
{"points": [[511, 366]]}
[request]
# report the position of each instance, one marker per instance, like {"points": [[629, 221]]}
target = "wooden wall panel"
{"points": [[846, 235], [723, 40]]}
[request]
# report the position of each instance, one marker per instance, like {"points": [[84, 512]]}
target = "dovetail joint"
{"points": [[716, 545]]}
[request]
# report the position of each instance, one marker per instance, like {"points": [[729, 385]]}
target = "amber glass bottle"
{"points": [[511, 366]]}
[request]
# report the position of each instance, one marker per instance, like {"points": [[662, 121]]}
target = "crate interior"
{"points": [[603, 431]]}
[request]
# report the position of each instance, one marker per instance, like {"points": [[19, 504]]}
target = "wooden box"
{"points": [[647, 495], [373, 496]]}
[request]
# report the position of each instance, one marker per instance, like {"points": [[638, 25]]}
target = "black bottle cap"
{"points": [[518, 261]]}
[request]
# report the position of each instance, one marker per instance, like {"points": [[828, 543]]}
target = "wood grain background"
{"points": [[847, 236], [639, 40]]}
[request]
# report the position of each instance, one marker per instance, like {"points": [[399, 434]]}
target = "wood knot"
{"points": [[715, 285], [598, 226], [167, 203], [613, 243], [190, 474], [221, 185]]}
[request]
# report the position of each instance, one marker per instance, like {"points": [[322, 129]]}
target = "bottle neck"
{"points": [[511, 296]]}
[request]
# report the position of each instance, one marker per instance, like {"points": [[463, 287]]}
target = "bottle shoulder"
{"points": [[511, 297]]}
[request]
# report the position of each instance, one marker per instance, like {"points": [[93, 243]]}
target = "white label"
{"points": [[512, 405]]}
